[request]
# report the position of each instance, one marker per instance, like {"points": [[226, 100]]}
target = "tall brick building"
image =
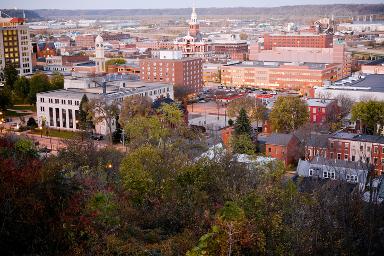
{"points": [[15, 45], [298, 40], [186, 74]]}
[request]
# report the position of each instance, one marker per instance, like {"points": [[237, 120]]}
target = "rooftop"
{"points": [[279, 139], [317, 102], [268, 64], [370, 83], [358, 137]]}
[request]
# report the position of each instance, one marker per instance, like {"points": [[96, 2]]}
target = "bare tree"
{"points": [[100, 110]]}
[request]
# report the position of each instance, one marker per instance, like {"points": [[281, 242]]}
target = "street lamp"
{"points": [[41, 131]]}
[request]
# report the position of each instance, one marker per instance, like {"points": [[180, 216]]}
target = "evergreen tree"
{"points": [[242, 125]]}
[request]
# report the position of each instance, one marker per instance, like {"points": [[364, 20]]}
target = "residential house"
{"points": [[285, 147], [334, 169]]}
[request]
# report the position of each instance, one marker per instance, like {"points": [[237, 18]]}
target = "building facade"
{"points": [[194, 44], [59, 109], [15, 45], [85, 41], [298, 40], [321, 109], [185, 74], [275, 75], [367, 149], [285, 51]]}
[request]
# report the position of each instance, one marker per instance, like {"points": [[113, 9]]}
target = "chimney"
{"points": [[104, 87]]}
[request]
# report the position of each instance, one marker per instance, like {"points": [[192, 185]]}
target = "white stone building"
{"points": [[59, 109]]}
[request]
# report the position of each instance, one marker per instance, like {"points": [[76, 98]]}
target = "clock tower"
{"points": [[100, 59], [194, 26]]}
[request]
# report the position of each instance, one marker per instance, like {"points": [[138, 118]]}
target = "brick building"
{"points": [[229, 47], [185, 74], [285, 147], [131, 68], [278, 75], [285, 51], [368, 149], [298, 40], [85, 41], [321, 109]]}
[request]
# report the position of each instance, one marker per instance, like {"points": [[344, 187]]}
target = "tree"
{"points": [[243, 36], [241, 141], [370, 114], [117, 61], [57, 81], [31, 122], [99, 110], [255, 109], [10, 75], [38, 83], [242, 125], [242, 144], [133, 106], [345, 104], [21, 88], [5, 99], [84, 122], [288, 114]]}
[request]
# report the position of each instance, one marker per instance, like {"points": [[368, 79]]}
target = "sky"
{"points": [[154, 4]]}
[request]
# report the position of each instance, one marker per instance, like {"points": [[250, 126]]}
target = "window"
{"points": [[352, 178], [331, 155], [311, 172], [353, 158], [331, 144], [269, 150], [325, 174], [346, 157], [332, 175], [57, 101], [338, 156]]}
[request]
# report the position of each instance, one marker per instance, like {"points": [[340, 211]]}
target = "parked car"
{"points": [[97, 137]]}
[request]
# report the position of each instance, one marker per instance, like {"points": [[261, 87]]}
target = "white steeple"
{"points": [[194, 14], [99, 51]]}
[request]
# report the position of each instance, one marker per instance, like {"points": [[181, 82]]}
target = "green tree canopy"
{"points": [[38, 83], [10, 75], [22, 87], [57, 81], [371, 115], [288, 114]]}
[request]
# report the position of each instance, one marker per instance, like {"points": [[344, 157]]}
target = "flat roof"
{"points": [[277, 64], [317, 102], [113, 90], [369, 83]]}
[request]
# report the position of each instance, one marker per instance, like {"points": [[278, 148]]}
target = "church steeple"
{"points": [[194, 27]]}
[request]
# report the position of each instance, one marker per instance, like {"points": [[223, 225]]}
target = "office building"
{"points": [[59, 109], [15, 45], [186, 74]]}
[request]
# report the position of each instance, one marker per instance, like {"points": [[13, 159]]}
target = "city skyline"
{"points": [[153, 4]]}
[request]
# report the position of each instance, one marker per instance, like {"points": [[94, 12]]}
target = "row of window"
{"points": [[63, 102], [330, 174]]}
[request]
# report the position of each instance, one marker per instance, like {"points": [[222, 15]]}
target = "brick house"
{"points": [[285, 147], [368, 149], [321, 110]]}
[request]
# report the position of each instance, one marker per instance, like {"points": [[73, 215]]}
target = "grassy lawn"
{"points": [[56, 133], [23, 107]]}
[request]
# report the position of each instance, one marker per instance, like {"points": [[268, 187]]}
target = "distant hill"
{"points": [[298, 10], [19, 13]]}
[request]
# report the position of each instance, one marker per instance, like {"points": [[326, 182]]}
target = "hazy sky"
{"points": [[150, 4]]}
